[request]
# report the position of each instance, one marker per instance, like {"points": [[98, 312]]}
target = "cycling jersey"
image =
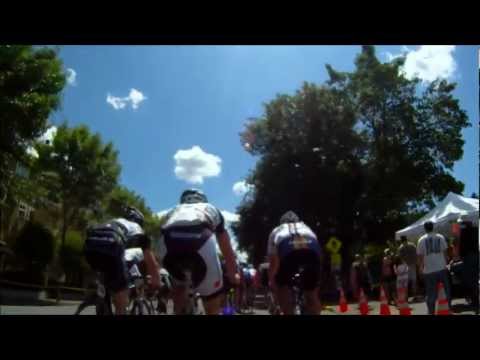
{"points": [[292, 236], [189, 235], [297, 247], [105, 250], [195, 215]]}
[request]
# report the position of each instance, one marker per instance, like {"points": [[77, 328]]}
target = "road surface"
{"points": [[68, 308]]}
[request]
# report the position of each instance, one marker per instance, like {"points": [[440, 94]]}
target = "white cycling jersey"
{"points": [[132, 227], [284, 232], [134, 255], [185, 215]]}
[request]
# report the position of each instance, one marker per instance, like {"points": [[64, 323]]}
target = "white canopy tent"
{"points": [[451, 209]]}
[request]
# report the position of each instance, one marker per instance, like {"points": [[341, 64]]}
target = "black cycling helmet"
{"points": [[134, 215], [289, 217], [192, 196]]}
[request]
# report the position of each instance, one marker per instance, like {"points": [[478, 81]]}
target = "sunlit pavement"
{"points": [[68, 309]]}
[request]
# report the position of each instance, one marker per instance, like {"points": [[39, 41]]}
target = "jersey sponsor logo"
{"points": [[299, 242], [432, 245]]}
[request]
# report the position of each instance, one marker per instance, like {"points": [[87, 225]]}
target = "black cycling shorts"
{"points": [[113, 267], [290, 265]]}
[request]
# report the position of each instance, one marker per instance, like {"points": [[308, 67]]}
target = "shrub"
{"points": [[35, 246]]}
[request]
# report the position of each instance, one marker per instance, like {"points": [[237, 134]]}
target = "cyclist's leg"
{"points": [[179, 297], [284, 297], [312, 302], [117, 281], [120, 302], [310, 282], [283, 293], [211, 287], [212, 305]]}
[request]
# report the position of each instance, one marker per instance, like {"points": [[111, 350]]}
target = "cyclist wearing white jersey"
{"points": [[105, 252], [191, 232], [292, 245]]}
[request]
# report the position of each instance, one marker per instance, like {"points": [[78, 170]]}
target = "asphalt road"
{"points": [[68, 308]]}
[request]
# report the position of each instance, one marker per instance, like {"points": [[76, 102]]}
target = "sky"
{"points": [[175, 112]]}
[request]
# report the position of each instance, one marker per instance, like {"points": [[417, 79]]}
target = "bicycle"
{"points": [[139, 304], [102, 300], [298, 298], [192, 306]]}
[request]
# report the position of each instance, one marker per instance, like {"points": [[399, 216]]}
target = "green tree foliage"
{"points": [[31, 81], [81, 171], [359, 153], [73, 260], [122, 196]]}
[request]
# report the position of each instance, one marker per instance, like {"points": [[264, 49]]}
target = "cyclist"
{"points": [[292, 245], [249, 294], [105, 252], [190, 235]]}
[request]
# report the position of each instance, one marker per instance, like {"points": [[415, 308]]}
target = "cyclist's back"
{"points": [[292, 245], [105, 252], [190, 239]]}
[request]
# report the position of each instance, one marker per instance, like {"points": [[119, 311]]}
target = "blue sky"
{"points": [[186, 96]]}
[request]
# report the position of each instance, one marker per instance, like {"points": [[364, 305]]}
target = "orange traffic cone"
{"points": [[402, 302], [384, 308], [343, 305], [363, 303], [442, 302]]}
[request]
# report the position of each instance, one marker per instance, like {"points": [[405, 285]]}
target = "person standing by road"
{"points": [[387, 278], [432, 257], [401, 271], [408, 253]]}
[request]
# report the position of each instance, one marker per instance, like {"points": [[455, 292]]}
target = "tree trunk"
{"points": [[64, 227]]}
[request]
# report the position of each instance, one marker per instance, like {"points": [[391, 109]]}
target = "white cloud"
{"points": [[116, 102], [240, 188], [193, 165], [71, 77], [428, 62], [134, 98]]}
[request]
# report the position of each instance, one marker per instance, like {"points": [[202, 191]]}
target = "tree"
{"points": [[309, 163], [82, 171], [31, 80], [359, 153], [122, 196]]}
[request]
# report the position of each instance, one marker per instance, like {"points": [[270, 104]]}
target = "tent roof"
{"points": [[451, 208]]}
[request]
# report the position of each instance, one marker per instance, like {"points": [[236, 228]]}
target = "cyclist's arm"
{"points": [[152, 267], [144, 241], [273, 268], [230, 259]]}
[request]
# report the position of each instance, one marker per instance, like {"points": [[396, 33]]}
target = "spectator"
{"points": [[469, 253], [360, 277], [432, 256], [408, 253], [400, 267], [387, 278]]}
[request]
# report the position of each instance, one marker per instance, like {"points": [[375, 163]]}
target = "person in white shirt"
{"points": [[432, 257], [401, 270]]}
